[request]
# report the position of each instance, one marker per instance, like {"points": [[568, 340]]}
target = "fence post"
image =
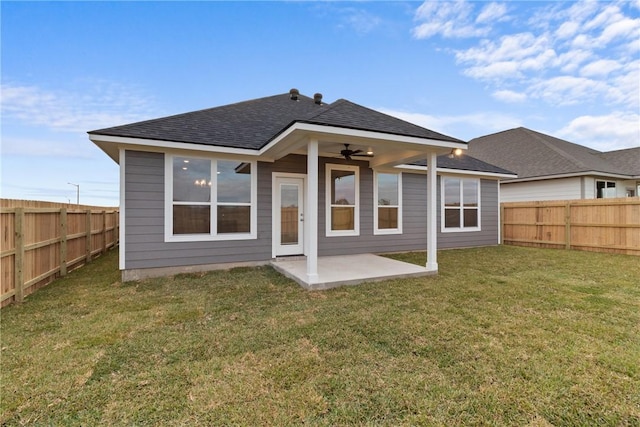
{"points": [[567, 225], [502, 227], [19, 256], [104, 232], [88, 238], [63, 242]]}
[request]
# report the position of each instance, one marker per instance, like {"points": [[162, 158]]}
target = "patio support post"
{"points": [[311, 219], [432, 212]]}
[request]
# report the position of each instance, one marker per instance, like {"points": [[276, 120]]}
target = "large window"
{"points": [[460, 204], [605, 189], [387, 193], [343, 205], [209, 199]]}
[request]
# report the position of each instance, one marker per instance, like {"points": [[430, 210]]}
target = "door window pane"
{"points": [[289, 212]]}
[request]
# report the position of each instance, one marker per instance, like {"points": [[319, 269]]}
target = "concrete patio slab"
{"points": [[336, 271]]}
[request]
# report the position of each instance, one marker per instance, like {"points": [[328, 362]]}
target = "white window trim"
{"points": [[444, 229], [376, 230], [212, 236], [356, 221]]}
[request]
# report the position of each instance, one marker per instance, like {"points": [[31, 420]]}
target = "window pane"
{"points": [[471, 217], [387, 218], [470, 192], [234, 182], [452, 218], [343, 187], [342, 218], [234, 219], [451, 191], [191, 219], [191, 180], [387, 189], [289, 222]]}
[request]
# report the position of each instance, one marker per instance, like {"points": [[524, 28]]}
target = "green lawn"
{"points": [[503, 336]]}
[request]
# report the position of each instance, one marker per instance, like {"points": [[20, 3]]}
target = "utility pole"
{"points": [[77, 192]]}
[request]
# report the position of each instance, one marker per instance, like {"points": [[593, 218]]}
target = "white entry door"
{"points": [[288, 218]]}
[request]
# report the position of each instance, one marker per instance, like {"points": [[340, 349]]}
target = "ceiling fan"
{"points": [[347, 153]]}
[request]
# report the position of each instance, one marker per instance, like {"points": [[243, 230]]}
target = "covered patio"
{"points": [[342, 270]]}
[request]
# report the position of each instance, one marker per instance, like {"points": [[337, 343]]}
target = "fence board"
{"points": [[603, 225], [42, 243]]}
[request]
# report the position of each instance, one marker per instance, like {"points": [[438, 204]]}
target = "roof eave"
{"points": [[487, 174], [571, 175]]}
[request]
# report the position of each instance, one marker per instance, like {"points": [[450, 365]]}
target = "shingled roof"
{"points": [[253, 124], [466, 163], [532, 154]]}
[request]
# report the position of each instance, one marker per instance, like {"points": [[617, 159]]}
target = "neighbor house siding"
{"points": [[144, 211], [549, 189]]}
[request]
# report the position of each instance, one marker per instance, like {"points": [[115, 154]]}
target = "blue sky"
{"points": [[462, 68]]}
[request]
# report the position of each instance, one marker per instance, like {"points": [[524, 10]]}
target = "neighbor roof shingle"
{"points": [[252, 124], [533, 154]]}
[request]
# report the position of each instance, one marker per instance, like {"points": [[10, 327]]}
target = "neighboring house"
{"points": [[287, 175], [549, 168]]}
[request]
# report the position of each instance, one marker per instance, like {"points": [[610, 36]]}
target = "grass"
{"points": [[503, 336]]}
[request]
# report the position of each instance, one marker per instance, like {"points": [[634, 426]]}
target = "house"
{"points": [[290, 175], [549, 168]]}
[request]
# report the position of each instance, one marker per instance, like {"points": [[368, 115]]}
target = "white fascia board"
{"points": [[440, 171], [320, 130], [159, 145], [594, 174]]}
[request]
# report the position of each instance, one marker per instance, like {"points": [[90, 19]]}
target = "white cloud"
{"points": [[450, 19], [614, 131], [360, 20], [567, 90], [509, 96], [101, 104], [464, 126], [493, 12], [567, 30], [601, 67], [67, 146], [569, 53]]}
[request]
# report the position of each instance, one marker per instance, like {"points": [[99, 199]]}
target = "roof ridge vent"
{"points": [[317, 98], [293, 94]]}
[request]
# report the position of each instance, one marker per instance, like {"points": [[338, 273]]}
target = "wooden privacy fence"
{"points": [[600, 225], [40, 244]]}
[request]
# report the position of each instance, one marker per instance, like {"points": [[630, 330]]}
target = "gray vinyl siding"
{"points": [[144, 218], [489, 224], [414, 219], [144, 222]]}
